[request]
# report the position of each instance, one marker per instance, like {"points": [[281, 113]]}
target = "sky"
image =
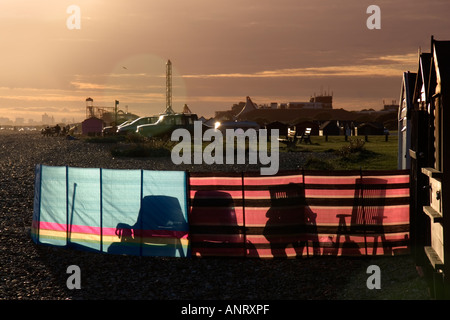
{"points": [[221, 52]]}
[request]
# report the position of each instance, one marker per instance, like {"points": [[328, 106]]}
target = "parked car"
{"points": [[132, 126], [166, 124], [113, 129]]}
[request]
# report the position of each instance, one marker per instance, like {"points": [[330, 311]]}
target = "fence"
{"points": [[171, 213]]}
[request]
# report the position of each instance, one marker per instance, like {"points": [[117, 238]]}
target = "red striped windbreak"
{"points": [[216, 215], [299, 213]]}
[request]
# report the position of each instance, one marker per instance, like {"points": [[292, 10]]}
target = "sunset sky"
{"points": [[221, 51]]}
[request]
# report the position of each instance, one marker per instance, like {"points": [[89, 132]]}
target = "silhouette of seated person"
{"points": [[159, 217], [290, 221], [214, 225]]}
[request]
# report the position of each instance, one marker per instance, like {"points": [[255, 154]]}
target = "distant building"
{"points": [[5, 121], [46, 119], [20, 121], [303, 125], [282, 127], [390, 107], [316, 102], [248, 107]]}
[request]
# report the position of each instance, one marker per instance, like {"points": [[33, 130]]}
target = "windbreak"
{"points": [[133, 212]]}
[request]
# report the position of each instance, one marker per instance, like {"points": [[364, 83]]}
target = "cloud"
{"points": [[38, 94], [384, 66], [410, 58], [93, 86]]}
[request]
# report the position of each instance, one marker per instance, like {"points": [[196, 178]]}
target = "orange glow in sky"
{"points": [[222, 51]]}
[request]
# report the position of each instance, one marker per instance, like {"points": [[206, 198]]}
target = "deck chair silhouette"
{"points": [[368, 212], [214, 225], [160, 215], [289, 215]]}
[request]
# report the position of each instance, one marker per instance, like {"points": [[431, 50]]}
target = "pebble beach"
{"points": [[37, 272]]}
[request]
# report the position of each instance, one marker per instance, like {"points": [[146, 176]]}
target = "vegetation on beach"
{"points": [[373, 153], [356, 153]]}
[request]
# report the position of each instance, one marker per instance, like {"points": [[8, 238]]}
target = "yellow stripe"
{"points": [[111, 239]]}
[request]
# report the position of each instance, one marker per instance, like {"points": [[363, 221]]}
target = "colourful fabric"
{"points": [[216, 215], [292, 214], [133, 212], [171, 213]]}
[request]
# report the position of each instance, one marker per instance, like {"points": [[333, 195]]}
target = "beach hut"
{"points": [[282, 127], [370, 128], [329, 128], [404, 119], [303, 125], [430, 174], [92, 126]]}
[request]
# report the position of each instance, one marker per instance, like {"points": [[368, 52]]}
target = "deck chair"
{"points": [[368, 212], [288, 216], [306, 136]]}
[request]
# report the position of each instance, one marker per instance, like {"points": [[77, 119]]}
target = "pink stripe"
{"points": [[331, 179], [217, 238], [235, 194], [351, 179], [329, 193], [330, 216], [216, 216], [108, 231], [393, 215], [323, 238], [392, 178], [208, 181], [51, 226], [222, 210], [257, 181]]}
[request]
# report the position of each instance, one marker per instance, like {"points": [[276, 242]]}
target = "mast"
{"points": [[169, 87]]}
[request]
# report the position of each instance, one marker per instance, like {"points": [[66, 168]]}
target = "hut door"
{"points": [[435, 251], [438, 133]]}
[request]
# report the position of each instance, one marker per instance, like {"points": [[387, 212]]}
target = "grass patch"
{"points": [[374, 154], [314, 163]]}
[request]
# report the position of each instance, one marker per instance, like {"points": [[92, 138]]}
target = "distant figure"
{"points": [[57, 129]]}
